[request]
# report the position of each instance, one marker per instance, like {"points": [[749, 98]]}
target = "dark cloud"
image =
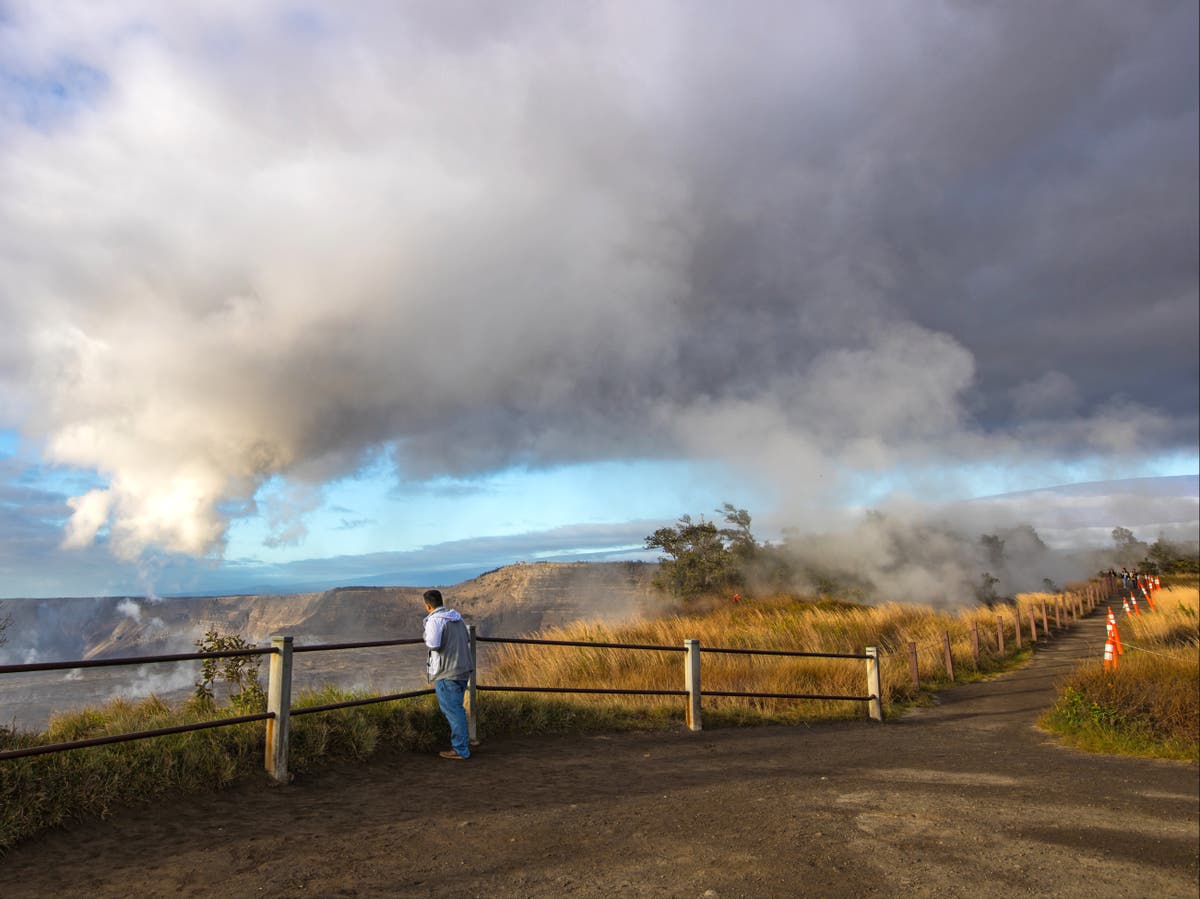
{"points": [[851, 236]]}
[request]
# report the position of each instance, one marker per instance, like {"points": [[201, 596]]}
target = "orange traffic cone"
{"points": [[1110, 656], [1114, 635], [1137, 610], [1128, 611], [1149, 594]]}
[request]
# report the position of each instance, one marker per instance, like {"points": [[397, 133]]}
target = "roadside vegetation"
{"points": [[776, 623], [1150, 705]]}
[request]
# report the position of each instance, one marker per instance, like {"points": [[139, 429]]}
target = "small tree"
{"points": [[702, 558], [240, 673], [985, 590], [993, 548], [1165, 557], [737, 537], [1129, 549]]}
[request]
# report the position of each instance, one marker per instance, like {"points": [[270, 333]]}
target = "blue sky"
{"points": [[366, 529], [297, 293]]}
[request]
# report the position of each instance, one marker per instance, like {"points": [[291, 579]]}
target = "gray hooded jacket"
{"points": [[449, 646]]}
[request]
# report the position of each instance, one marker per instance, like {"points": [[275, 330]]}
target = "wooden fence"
{"points": [[279, 688], [1020, 624]]}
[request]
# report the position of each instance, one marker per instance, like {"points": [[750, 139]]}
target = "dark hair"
{"points": [[433, 598]]}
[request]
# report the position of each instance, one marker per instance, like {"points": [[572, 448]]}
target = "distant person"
{"points": [[448, 668]]}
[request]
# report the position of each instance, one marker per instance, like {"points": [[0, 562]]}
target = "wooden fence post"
{"points": [[691, 679], [1058, 610], [1000, 635], [949, 657], [472, 694], [874, 688], [913, 666], [279, 702], [1045, 621], [975, 642], [1017, 622]]}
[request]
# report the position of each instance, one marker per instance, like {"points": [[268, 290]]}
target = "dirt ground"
{"points": [[964, 799]]}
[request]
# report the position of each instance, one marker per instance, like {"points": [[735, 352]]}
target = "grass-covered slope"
{"points": [[1150, 705]]}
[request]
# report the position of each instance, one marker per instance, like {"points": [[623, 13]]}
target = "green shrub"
{"points": [[1150, 706]]}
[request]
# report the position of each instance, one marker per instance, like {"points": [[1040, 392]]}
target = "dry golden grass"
{"points": [[1172, 623], [779, 623], [1150, 705]]}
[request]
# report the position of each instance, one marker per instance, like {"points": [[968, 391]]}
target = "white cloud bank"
{"points": [[241, 242]]}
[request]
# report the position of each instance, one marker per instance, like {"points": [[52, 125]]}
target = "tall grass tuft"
{"points": [[1151, 704]]}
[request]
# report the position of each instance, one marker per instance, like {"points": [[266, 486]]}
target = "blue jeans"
{"points": [[450, 700]]}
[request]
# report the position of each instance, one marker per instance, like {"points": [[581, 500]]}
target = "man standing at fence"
{"points": [[448, 669]]}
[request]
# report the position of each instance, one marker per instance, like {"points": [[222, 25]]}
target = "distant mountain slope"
{"points": [[526, 597], [1185, 485], [509, 601], [1082, 516]]}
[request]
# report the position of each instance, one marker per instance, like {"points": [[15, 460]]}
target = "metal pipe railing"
{"points": [[783, 652], [539, 642], [350, 703], [135, 660], [583, 690], [134, 735], [327, 647]]}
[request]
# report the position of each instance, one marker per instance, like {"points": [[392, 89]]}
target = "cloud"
{"points": [[1083, 515], [1051, 395], [913, 552], [130, 609], [814, 241]]}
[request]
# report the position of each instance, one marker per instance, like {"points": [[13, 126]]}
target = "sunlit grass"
{"points": [[780, 623], [1150, 705]]}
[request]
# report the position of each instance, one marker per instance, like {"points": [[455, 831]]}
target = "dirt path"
{"points": [[964, 799]]}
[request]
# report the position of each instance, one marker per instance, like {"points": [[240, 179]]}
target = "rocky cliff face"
{"points": [[510, 601], [526, 597]]}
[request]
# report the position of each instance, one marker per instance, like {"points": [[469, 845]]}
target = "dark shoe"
{"points": [[451, 754]]}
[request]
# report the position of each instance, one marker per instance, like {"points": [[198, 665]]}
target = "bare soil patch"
{"points": [[967, 798]]}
